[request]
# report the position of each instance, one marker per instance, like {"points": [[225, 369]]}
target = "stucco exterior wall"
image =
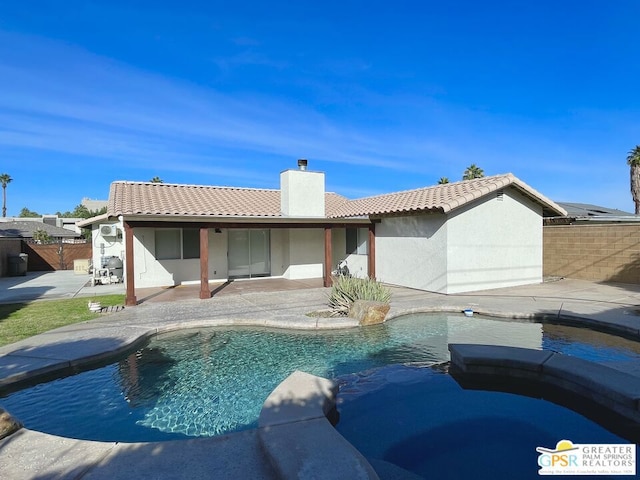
{"points": [[111, 246], [488, 244], [302, 193], [411, 251], [306, 253], [338, 247], [150, 272], [218, 263], [599, 253], [357, 264], [494, 243], [279, 251]]}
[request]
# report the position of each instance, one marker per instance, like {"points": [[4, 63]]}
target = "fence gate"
{"points": [[54, 256]]}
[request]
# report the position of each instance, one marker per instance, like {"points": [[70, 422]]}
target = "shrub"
{"points": [[347, 290], [41, 236]]}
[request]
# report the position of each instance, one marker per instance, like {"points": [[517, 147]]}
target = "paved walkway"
{"points": [[51, 286], [29, 454]]}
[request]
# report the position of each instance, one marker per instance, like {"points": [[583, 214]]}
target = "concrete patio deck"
{"points": [[29, 455]]}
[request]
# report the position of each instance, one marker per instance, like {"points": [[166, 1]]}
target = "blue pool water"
{"points": [[212, 381], [421, 420]]}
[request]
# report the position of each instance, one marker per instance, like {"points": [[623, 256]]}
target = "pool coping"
{"points": [[612, 389], [297, 436], [120, 334]]}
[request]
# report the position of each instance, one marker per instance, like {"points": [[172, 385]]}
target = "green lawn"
{"points": [[22, 320]]}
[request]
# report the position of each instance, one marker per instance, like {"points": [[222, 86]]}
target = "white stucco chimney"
{"points": [[302, 192]]}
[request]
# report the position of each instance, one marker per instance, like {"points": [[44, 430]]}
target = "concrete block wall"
{"points": [[609, 252]]}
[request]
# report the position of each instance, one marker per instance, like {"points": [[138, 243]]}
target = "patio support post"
{"points": [[130, 296], [204, 263], [371, 251], [327, 256]]}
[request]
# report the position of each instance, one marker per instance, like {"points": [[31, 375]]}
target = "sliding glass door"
{"points": [[249, 253]]}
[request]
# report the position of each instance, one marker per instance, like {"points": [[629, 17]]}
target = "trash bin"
{"points": [[18, 264]]}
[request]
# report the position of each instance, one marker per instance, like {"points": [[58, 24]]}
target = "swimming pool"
{"points": [[421, 420], [212, 381]]}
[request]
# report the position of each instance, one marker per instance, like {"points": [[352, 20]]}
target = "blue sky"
{"points": [[382, 96]]}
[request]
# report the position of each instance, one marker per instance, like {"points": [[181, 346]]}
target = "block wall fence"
{"points": [[608, 252]]}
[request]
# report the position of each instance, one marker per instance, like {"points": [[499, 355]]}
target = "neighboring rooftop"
{"points": [[588, 210], [69, 223], [26, 229]]}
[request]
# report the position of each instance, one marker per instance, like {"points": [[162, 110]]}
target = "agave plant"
{"points": [[347, 289]]}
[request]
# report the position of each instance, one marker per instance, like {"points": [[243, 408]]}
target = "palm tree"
{"points": [[633, 160], [443, 180], [157, 180], [472, 171], [5, 180]]}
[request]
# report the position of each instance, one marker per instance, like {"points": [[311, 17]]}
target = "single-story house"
{"points": [[457, 237]]}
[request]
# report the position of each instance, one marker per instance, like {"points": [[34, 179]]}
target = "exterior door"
{"points": [[249, 253]]}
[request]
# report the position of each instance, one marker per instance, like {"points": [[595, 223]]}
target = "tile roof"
{"points": [[141, 198], [443, 198]]}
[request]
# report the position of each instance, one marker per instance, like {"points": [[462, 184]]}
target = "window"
{"points": [[190, 243], [174, 244], [167, 244], [357, 240]]}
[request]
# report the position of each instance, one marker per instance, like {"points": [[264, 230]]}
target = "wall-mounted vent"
{"points": [[500, 195], [108, 230]]}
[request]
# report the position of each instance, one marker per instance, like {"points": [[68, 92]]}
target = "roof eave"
{"points": [[549, 207], [90, 221], [266, 220]]}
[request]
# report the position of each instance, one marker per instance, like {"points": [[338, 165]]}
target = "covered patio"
{"points": [[206, 289], [225, 289]]}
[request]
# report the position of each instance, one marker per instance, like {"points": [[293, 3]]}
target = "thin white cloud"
{"points": [[246, 41], [248, 57], [59, 98], [105, 98]]}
